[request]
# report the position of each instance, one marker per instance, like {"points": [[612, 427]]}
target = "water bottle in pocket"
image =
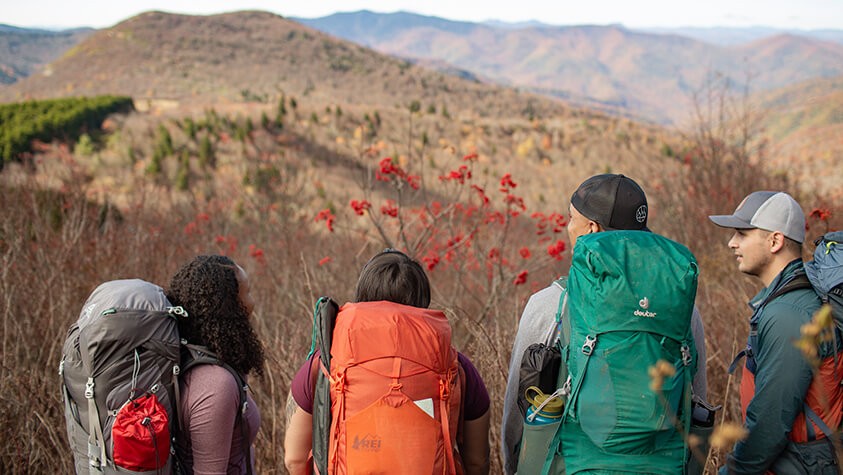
{"points": [[540, 424]]}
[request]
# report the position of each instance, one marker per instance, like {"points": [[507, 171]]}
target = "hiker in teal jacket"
{"points": [[776, 383]]}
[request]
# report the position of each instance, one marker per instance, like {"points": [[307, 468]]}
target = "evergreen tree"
{"points": [[165, 142], [206, 153], [190, 128], [183, 174], [154, 167]]}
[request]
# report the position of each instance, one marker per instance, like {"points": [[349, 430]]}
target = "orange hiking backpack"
{"points": [[396, 391]]}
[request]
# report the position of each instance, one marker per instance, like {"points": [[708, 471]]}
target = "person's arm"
{"points": [[475, 446], [534, 326], [212, 404], [298, 439], [781, 381], [474, 442]]}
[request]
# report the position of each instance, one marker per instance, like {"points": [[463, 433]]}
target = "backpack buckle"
{"points": [[566, 388], [95, 457], [588, 346], [181, 312], [89, 389], [686, 355]]}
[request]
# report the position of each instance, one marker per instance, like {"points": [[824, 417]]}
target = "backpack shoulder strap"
{"points": [[561, 326], [799, 281], [324, 318]]}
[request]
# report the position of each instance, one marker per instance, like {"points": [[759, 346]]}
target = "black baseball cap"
{"points": [[613, 201]]}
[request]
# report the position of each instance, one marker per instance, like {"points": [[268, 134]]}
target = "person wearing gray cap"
{"points": [[604, 202], [786, 408]]}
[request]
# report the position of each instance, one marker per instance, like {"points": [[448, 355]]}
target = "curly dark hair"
{"points": [[207, 288]]}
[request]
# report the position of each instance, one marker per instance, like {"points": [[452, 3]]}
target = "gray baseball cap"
{"points": [[767, 210]]}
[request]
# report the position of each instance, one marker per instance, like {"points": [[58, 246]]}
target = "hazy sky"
{"points": [[798, 14]]}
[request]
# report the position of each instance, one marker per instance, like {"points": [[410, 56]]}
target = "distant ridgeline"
{"points": [[66, 119]]}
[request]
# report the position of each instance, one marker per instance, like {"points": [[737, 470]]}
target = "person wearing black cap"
{"points": [[609, 202], [785, 402], [601, 203]]}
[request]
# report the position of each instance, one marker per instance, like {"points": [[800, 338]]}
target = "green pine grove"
{"points": [[23, 122]]}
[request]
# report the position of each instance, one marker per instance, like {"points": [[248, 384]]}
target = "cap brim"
{"points": [[730, 221]]}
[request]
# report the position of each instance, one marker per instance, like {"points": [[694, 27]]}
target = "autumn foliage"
{"points": [[302, 205]]}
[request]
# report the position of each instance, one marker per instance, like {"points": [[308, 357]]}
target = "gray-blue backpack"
{"points": [[824, 274]]}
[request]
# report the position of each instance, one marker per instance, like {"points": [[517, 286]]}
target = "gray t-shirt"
{"points": [[537, 325]]}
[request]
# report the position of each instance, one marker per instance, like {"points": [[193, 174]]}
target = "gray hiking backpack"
{"points": [[120, 366], [119, 369]]}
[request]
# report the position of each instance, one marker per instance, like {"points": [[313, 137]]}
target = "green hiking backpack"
{"points": [[631, 295]]}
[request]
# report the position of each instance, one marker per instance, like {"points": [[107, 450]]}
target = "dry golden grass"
{"points": [[58, 239]]}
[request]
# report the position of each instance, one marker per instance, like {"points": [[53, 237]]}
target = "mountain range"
{"points": [[255, 57], [252, 56], [23, 50], [646, 75], [734, 36]]}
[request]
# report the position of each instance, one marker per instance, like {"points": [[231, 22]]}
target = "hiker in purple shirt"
{"points": [[214, 437], [390, 277]]}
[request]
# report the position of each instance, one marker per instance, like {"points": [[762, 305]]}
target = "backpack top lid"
{"points": [[632, 281], [104, 336], [365, 330], [826, 270], [135, 294]]}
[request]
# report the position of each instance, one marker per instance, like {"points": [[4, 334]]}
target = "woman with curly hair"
{"points": [[215, 293]]}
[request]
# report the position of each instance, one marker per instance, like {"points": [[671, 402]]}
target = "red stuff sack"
{"points": [[141, 435]]}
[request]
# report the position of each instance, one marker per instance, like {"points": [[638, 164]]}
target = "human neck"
{"points": [[775, 267]]}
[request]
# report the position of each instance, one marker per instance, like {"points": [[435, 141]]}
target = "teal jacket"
{"points": [[782, 374]]}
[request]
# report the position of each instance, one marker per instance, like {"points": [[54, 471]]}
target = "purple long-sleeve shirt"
{"points": [[212, 440]]}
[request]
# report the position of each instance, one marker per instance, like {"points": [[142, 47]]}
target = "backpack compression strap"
{"points": [[444, 415], [96, 440]]}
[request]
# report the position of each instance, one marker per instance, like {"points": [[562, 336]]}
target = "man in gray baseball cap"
{"points": [[783, 422], [768, 210]]}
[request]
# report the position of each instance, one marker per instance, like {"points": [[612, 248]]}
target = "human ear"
{"points": [[776, 241]]}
